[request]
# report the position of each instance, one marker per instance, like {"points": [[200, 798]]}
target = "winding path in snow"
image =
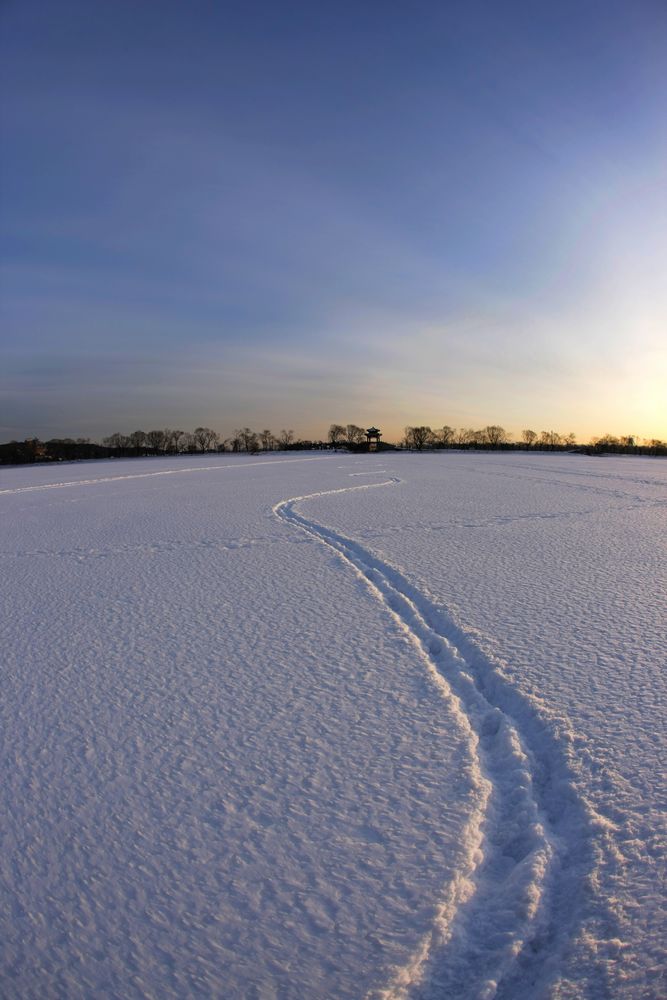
{"points": [[505, 924]]}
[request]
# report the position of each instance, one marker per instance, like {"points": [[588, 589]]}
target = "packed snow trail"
{"points": [[502, 930], [151, 475]]}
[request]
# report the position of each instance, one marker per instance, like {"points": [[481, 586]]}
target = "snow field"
{"points": [[224, 774], [506, 899], [550, 576], [385, 726]]}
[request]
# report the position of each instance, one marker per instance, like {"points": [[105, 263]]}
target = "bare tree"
{"points": [[336, 434], [418, 437], [172, 440], [156, 440], [423, 437], [187, 444], [608, 440], [205, 439], [235, 442], [285, 438], [248, 440], [138, 440], [354, 435], [117, 441], [446, 436], [549, 439], [494, 436], [200, 437], [465, 436], [267, 439], [529, 438]]}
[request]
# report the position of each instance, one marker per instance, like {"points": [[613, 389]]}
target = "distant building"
{"points": [[373, 436]]}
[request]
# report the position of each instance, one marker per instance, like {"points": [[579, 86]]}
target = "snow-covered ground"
{"points": [[327, 726]]}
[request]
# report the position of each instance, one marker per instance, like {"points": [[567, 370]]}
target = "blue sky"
{"points": [[288, 214]]}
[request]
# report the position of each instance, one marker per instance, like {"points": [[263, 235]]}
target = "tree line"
{"points": [[167, 441], [202, 439], [244, 440], [495, 437]]}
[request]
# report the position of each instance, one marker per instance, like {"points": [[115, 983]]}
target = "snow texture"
{"points": [[388, 726]]}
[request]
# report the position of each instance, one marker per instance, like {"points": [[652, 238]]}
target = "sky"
{"points": [[292, 214]]}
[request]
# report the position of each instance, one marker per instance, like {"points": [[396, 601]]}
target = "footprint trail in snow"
{"points": [[503, 926]]}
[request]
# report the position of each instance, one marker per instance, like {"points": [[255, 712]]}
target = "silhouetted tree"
{"points": [[156, 440], [494, 436], [247, 440], [187, 444], [172, 440], [138, 440], [465, 436], [445, 436], [267, 439], [336, 434], [354, 435], [205, 439], [418, 437], [549, 439], [119, 442]]}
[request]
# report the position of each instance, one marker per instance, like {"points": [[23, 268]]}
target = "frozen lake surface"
{"points": [[330, 726]]}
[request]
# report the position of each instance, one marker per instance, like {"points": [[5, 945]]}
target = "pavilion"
{"points": [[373, 436]]}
